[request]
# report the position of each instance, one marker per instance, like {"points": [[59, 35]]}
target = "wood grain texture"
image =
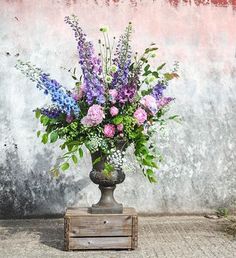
{"points": [[83, 230], [100, 243], [84, 211], [101, 226]]}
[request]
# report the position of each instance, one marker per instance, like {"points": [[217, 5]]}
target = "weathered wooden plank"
{"points": [[101, 226], [100, 243], [134, 240], [66, 233], [84, 230], [77, 212]]}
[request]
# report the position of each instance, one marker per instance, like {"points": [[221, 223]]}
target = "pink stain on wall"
{"points": [[220, 3]]}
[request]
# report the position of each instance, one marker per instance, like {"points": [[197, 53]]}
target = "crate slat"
{"points": [[100, 243], [101, 226]]}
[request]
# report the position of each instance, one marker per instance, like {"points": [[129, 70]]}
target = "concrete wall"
{"points": [[199, 171]]}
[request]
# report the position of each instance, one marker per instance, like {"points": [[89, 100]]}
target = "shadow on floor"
{"points": [[49, 232]]}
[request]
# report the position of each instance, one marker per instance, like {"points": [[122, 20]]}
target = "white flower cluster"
{"points": [[116, 159], [95, 143]]}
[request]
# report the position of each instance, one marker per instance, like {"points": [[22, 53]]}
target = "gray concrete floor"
{"points": [[158, 237]]}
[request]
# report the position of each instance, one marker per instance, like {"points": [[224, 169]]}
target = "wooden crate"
{"points": [[84, 231]]}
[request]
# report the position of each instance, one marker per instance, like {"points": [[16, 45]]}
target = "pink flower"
{"points": [[164, 101], [149, 102], [94, 116], [69, 118], [114, 111], [141, 116], [109, 130], [78, 94], [120, 127], [112, 95]]}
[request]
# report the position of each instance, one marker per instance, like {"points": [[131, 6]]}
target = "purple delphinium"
{"points": [[122, 60], [120, 78], [158, 89], [90, 64], [51, 112]]}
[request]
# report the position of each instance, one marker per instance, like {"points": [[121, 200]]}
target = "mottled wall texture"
{"points": [[199, 171]]}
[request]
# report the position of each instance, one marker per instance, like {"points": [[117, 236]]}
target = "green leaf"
{"points": [[74, 158], [53, 137], [38, 133], [117, 120], [170, 76], [156, 74], [45, 138], [144, 60], [37, 113], [146, 73], [97, 160], [81, 153], [44, 120], [152, 179], [146, 68], [161, 66], [65, 166], [148, 50], [149, 172], [77, 84]]}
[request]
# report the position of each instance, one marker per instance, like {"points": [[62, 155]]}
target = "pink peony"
{"points": [[94, 116], [149, 102], [109, 130], [141, 116], [112, 95], [120, 127], [114, 111]]}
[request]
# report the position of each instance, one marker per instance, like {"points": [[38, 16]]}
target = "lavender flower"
{"points": [[158, 89], [90, 64], [59, 95]]}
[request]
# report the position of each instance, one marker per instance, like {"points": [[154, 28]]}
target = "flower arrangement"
{"points": [[118, 97]]}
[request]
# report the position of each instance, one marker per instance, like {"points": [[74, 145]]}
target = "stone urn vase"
{"points": [[107, 182]]}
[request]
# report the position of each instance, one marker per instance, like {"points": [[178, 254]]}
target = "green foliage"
{"points": [[45, 138], [65, 166], [53, 137], [74, 158], [222, 212], [38, 133], [108, 168]]}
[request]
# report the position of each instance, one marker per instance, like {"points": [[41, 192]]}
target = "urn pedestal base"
{"points": [[107, 203], [86, 231]]}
